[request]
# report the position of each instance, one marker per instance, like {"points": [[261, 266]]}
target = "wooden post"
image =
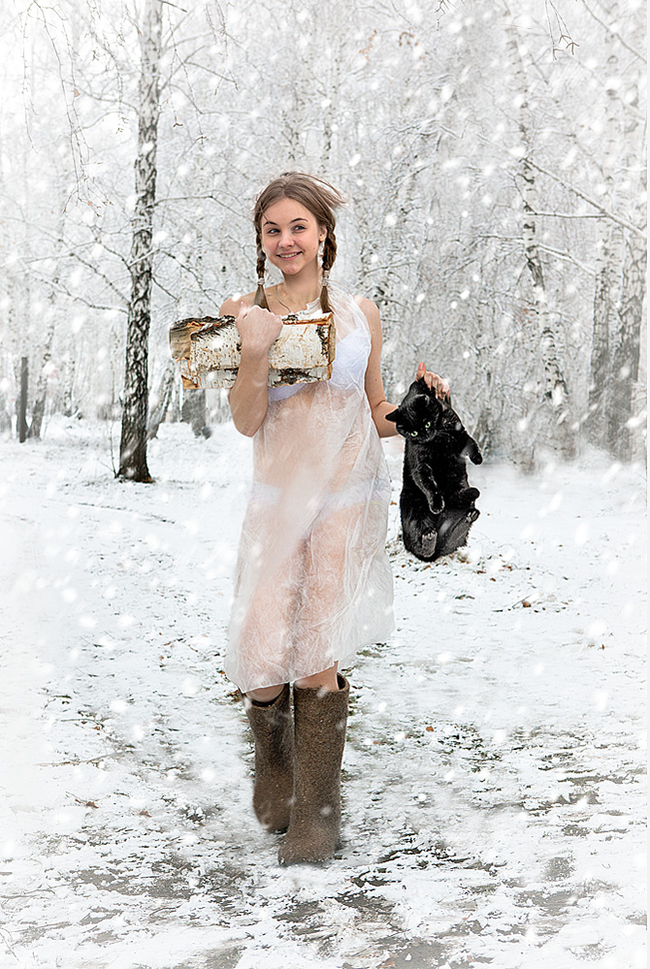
{"points": [[22, 404]]}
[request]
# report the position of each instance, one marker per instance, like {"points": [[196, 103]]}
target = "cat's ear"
{"points": [[392, 416]]}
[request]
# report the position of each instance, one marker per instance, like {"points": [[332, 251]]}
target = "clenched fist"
{"points": [[258, 329]]}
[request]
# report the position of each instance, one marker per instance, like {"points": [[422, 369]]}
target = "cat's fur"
{"points": [[437, 503]]}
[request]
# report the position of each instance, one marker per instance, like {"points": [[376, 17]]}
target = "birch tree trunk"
{"points": [[603, 311], [38, 409], [623, 423], [133, 445], [162, 399], [608, 261], [40, 398], [625, 367], [193, 413], [68, 374], [550, 417]]}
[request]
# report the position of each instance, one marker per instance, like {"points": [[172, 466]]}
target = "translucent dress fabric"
{"points": [[313, 583]]}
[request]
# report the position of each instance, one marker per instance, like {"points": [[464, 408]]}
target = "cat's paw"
{"points": [[436, 503], [471, 450], [428, 544], [421, 544], [467, 496]]}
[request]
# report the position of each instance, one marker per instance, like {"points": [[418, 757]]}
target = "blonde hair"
{"points": [[321, 199]]}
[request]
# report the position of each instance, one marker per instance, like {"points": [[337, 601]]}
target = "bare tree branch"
{"points": [[586, 198], [614, 33], [570, 215], [564, 34], [567, 256]]}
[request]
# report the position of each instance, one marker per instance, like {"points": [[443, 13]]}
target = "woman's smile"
{"points": [[285, 224]]}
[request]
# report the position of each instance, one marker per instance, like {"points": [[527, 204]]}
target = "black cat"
{"points": [[436, 504]]}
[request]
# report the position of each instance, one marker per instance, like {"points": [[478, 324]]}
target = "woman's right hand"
{"points": [[258, 329], [434, 382]]}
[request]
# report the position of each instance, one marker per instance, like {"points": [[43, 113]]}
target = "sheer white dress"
{"points": [[313, 584]]}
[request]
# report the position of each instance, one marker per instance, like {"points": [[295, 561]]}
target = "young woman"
{"points": [[313, 582]]}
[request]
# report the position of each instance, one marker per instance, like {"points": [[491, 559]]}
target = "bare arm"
{"points": [[248, 397], [379, 406]]}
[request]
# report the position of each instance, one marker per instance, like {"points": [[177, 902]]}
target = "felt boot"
{"points": [[320, 719], [273, 732]]}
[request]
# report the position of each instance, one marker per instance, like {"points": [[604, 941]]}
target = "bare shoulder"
{"points": [[231, 306], [371, 313], [370, 310]]}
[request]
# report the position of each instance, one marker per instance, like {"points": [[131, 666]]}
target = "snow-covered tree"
{"points": [[498, 224]]}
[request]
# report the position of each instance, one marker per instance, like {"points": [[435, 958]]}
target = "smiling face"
{"points": [[291, 236]]}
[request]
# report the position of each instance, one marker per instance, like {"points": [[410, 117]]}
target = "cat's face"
{"points": [[419, 417]]}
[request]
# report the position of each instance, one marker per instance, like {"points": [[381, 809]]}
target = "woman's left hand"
{"points": [[432, 380]]}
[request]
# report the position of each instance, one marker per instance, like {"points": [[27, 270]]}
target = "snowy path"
{"points": [[494, 773]]}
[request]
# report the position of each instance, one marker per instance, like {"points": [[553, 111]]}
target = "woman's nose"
{"points": [[285, 240]]}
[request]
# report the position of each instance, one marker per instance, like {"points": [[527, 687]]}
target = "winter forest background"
{"points": [[492, 155]]}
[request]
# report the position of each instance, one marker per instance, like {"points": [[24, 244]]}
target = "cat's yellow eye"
{"points": [[427, 425], [414, 433]]}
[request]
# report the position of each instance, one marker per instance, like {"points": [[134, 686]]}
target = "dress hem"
{"points": [[346, 660]]}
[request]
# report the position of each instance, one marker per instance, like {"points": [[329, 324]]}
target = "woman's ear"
{"points": [[322, 235]]}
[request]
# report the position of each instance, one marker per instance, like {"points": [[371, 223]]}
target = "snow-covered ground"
{"points": [[494, 773]]}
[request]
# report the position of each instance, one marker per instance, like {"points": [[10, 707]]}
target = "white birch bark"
{"points": [[608, 261], [38, 408], [209, 356], [162, 399], [554, 402], [133, 445], [625, 401], [622, 422]]}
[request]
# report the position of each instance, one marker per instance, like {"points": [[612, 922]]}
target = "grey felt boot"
{"points": [[320, 719], [273, 732]]}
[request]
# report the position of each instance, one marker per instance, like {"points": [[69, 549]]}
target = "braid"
{"points": [[260, 295], [329, 250], [329, 255]]}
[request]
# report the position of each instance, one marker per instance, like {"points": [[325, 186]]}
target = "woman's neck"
{"points": [[297, 292]]}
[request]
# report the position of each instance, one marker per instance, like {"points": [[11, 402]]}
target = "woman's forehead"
{"points": [[286, 210]]}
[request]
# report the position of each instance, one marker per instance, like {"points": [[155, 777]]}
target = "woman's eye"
{"points": [[414, 433]]}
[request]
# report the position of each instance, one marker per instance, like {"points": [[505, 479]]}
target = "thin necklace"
{"points": [[281, 302], [288, 308], [277, 296]]}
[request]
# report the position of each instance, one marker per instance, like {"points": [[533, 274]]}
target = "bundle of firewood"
{"points": [[209, 351]]}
